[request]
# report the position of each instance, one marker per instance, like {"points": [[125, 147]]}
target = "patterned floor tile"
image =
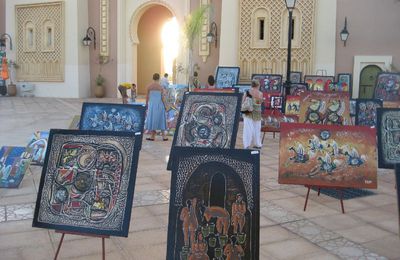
{"points": [[310, 231], [2, 214], [146, 198], [20, 212], [278, 214]]}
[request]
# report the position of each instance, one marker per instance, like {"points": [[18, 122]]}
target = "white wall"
{"points": [[325, 36], [76, 78], [229, 51]]}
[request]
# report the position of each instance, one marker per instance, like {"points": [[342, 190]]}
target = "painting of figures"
{"points": [[243, 87], [292, 105], [112, 117], [366, 111], [227, 77], [318, 83], [295, 76], [214, 205], [87, 182], [388, 137], [297, 88], [14, 162], [324, 108], [276, 102], [269, 83], [387, 86], [343, 82], [37, 146], [332, 156]]}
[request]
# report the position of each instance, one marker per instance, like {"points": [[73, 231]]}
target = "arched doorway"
{"points": [[367, 81], [149, 49]]}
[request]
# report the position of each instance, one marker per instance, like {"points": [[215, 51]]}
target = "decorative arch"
{"points": [[297, 20], [260, 25]]}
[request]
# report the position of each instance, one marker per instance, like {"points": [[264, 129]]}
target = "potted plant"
{"points": [[99, 90]]}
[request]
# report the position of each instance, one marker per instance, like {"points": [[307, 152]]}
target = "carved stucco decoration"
{"points": [[40, 42], [104, 28], [204, 46], [273, 57]]}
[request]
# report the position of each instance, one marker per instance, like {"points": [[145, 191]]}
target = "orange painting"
{"points": [[332, 156]]}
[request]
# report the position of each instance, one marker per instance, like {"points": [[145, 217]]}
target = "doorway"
{"points": [[367, 81]]}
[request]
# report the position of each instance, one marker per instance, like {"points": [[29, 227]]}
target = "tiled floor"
{"points": [[368, 230]]}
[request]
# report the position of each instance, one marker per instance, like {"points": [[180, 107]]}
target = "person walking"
{"points": [[252, 120], [155, 118]]}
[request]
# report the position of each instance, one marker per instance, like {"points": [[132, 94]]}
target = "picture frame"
{"points": [[297, 88], [318, 82], [276, 102], [345, 82], [387, 86], [227, 77], [296, 76], [269, 83], [388, 137], [366, 111]]}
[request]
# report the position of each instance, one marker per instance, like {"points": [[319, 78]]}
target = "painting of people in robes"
{"points": [[14, 162], [295, 76], [331, 156], [269, 83], [37, 146], [87, 182], [318, 83], [387, 86], [388, 137], [214, 205], [292, 105], [366, 113], [227, 77], [297, 88]]}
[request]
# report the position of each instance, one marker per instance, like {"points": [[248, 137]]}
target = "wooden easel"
{"points": [[338, 190], [80, 234]]}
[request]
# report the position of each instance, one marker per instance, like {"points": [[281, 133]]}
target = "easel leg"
{"points": [[319, 191], [104, 248], [308, 193], [262, 141], [341, 199], [59, 246]]}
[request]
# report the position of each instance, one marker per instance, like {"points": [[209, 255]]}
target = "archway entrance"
{"points": [[367, 81]]}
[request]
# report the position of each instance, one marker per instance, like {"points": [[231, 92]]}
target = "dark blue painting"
{"points": [[14, 161], [227, 77], [112, 117], [214, 205], [388, 128], [366, 111], [37, 146]]}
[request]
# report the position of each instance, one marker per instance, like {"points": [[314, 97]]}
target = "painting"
{"points": [[387, 86], [297, 88], [344, 83], [276, 102], [318, 83], [243, 87], [14, 162], [269, 83], [112, 117], [324, 108], [227, 77], [352, 111], [74, 125], [295, 76], [87, 182], [214, 205], [292, 105], [397, 173], [273, 118], [207, 120], [366, 111], [37, 146], [328, 156], [388, 137]]}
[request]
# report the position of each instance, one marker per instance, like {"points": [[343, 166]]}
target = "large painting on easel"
{"points": [[387, 86], [227, 77], [87, 182], [388, 137], [14, 162], [329, 156], [214, 205]]}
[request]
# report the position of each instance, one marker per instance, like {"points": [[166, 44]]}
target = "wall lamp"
{"points": [[344, 34], [87, 40], [213, 34], [3, 39]]}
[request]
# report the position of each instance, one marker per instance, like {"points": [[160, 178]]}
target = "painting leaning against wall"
{"points": [[14, 162], [388, 127], [37, 146]]}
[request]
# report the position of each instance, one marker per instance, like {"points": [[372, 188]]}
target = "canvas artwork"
{"points": [[292, 105], [269, 83], [214, 205], [112, 117], [295, 76], [388, 137], [331, 156], [325, 108], [243, 87], [352, 111], [366, 111], [276, 102], [37, 146], [344, 82], [74, 125], [227, 77], [14, 162], [87, 182], [387, 86], [318, 83], [273, 118], [297, 88]]}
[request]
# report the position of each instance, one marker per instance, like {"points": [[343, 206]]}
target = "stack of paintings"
{"points": [[14, 162]]}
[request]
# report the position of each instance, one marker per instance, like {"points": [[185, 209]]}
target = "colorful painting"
{"points": [[37, 146], [112, 117], [207, 120], [214, 205], [276, 102], [343, 82], [325, 108], [387, 86], [74, 125], [297, 88], [366, 111], [295, 76], [292, 105], [227, 77], [328, 156], [388, 137], [318, 83], [14, 162], [269, 83], [273, 118], [87, 182]]}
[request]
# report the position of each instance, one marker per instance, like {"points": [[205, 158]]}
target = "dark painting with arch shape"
{"points": [[87, 182], [214, 204]]}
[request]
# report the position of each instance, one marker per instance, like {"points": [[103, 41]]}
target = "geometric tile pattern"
{"points": [[147, 198], [310, 231], [2, 214], [19, 212]]}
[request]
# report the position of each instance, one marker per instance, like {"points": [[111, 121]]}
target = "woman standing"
{"points": [[252, 120], [155, 118]]}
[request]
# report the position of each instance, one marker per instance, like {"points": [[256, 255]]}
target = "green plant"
{"points": [[193, 24], [100, 80]]}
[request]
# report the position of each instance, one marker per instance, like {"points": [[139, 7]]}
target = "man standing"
{"points": [[164, 81]]}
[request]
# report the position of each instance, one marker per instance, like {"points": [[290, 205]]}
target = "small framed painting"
{"points": [[295, 76], [227, 77], [276, 102]]}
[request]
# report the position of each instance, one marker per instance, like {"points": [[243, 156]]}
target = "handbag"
{"points": [[247, 105]]}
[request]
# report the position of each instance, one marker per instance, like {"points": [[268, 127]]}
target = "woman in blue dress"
{"points": [[156, 117]]}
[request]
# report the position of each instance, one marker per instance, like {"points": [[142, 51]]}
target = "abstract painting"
{"points": [[276, 102], [295, 76], [388, 137], [297, 88], [87, 182], [37, 146], [292, 105], [325, 108], [14, 162], [366, 111], [318, 83], [387, 86], [207, 120], [343, 83], [328, 156], [227, 77], [112, 117], [214, 205], [269, 83]]}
